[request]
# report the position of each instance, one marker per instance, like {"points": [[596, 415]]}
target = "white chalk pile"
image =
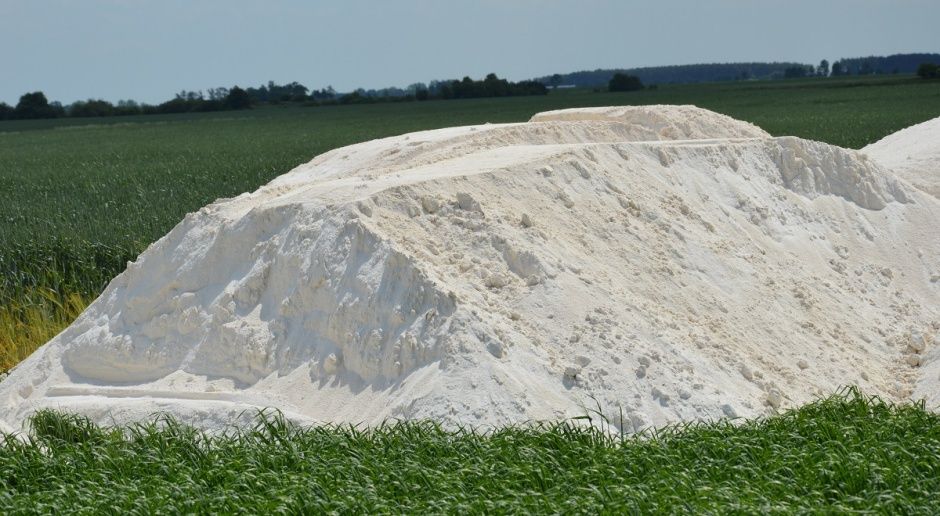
{"points": [[666, 263]]}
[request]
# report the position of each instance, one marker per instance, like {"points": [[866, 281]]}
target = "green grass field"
{"points": [[81, 197], [843, 454]]}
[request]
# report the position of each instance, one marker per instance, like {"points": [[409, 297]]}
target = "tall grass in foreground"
{"points": [[842, 454]]}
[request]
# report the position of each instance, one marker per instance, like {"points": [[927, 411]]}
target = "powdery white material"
{"points": [[660, 122], [664, 262], [913, 154]]}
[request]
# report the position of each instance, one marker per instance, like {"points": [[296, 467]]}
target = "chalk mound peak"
{"points": [[503, 273], [661, 122]]}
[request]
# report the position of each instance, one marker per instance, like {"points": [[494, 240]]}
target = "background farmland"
{"points": [[81, 197]]}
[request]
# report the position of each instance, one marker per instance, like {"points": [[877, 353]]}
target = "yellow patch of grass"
{"points": [[23, 328]]}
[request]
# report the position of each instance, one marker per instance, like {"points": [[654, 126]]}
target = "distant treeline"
{"points": [[716, 72], [491, 86], [466, 88], [876, 65], [36, 105], [673, 74]]}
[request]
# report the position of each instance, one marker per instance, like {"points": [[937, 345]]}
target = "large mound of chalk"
{"points": [[664, 261]]}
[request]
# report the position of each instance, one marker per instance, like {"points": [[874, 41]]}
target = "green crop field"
{"points": [[844, 454], [81, 197]]}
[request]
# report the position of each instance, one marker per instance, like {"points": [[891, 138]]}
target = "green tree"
{"points": [[127, 107], [36, 105], [237, 98], [795, 72], [493, 86], [928, 71], [823, 69], [419, 90], [217, 93], [624, 82], [90, 108]]}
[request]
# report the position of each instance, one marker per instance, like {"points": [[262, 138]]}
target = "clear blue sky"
{"points": [[149, 49]]}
